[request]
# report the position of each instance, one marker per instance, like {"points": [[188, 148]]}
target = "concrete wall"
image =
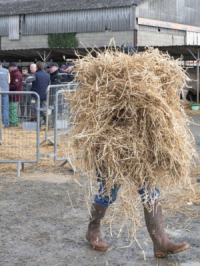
{"points": [[103, 38], [31, 41], [146, 38], [88, 40]]}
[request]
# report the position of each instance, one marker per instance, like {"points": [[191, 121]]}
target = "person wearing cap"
{"points": [[15, 85], [63, 67], [154, 222], [128, 49], [4, 86], [55, 78], [69, 70]]}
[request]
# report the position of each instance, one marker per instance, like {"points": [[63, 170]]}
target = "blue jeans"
{"points": [[5, 109], [106, 200]]}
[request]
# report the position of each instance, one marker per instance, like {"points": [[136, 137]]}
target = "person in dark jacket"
{"points": [[39, 85], [63, 74], [55, 78], [58, 75], [15, 85], [70, 71]]}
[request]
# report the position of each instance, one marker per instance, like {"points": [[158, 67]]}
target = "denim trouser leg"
{"points": [[106, 200], [5, 110], [146, 192]]}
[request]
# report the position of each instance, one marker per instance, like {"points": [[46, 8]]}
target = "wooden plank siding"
{"points": [[4, 26], [14, 27], [114, 19]]}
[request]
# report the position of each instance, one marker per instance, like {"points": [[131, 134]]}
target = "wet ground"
{"points": [[44, 219]]}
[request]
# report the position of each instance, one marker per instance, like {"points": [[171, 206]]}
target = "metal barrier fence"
{"points": [[63, 125], [19, 128], [50, 107], [20, 142]]}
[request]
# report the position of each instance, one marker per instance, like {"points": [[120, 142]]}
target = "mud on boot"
{"points": [[162, 245], [93, 234]]}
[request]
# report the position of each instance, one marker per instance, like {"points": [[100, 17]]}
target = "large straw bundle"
{"points": [[129, 122]]}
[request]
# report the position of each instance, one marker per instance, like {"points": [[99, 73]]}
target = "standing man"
{"points": [[70, 70], [15, 85], [4, 86], [33, 68], [39, 85], [55, 78], [26, 99], [31, 77], [28, 81]]}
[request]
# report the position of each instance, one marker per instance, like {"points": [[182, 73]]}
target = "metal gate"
{"points": [[62, 128], [50, 108], [19, 142]]}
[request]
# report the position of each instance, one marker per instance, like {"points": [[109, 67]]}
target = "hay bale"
{"points": [[129, 121]]}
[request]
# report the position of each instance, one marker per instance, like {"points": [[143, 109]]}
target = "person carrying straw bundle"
{"points": [[131, 129]]}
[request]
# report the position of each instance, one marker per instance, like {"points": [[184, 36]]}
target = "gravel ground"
{"points": [[44, 219]]}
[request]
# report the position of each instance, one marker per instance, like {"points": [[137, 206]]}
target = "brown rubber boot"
{"points": [[93, 234], [162, 245]]}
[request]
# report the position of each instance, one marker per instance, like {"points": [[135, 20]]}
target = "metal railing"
{"points": [[50, 107], [62, 127], [19, 142]]}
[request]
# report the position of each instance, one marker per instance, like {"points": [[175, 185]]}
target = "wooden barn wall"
{"points": [[177, 11], [4, 26], [114, 19], [14, 27]]}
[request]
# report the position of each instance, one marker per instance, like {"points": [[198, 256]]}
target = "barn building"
{"points": [[45, 29]]}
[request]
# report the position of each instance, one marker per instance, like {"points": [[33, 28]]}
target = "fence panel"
{"points": [[62, 128], [20, 135], [50, 108]]}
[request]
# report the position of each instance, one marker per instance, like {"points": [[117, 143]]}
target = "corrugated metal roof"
{"points": [[42, 6], [32, 54], [28, 55]]}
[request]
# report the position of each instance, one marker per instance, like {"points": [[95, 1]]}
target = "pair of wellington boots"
{"points": [[162, 245]]}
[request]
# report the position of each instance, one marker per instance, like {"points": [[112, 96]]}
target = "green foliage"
{"points": [[67, 40]]}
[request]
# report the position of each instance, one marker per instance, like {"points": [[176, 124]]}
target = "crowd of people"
{"points": [[37, 80]]}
